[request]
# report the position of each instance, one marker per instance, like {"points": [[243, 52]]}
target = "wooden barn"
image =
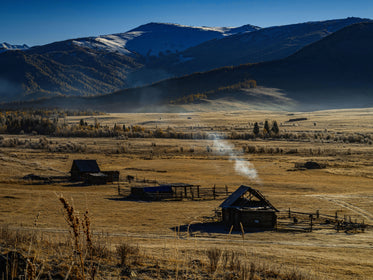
{"points": [[87, 170], [249, 208], [82, 167]]}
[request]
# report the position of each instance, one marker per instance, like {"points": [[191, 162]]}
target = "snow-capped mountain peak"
{"points": [[8, 47], [155, 39]]}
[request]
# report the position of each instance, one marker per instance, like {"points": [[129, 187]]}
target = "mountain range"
{"points": [[314, 65]]}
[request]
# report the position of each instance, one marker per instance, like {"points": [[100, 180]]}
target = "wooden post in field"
{"points": [[336, 215], [289, 216], [311, 224], [317, 214], [185, 192], [191, 193], [198, 191], [214, 192]]}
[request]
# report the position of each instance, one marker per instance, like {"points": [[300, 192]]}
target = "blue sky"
{"points": [[36, 22]]}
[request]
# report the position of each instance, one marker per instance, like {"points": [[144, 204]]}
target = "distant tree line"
{"points": [[44, 122], [53, 123]]}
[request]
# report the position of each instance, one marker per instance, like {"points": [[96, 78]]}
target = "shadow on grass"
{"points": [[212, 227]]}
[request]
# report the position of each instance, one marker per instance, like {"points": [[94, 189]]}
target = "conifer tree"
{"points": [[275, 128], [256, 129], [266, 127]]}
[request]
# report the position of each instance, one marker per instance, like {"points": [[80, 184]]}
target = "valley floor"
{"points": [[159, 228]]}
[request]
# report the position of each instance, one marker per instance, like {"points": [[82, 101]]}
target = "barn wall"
{"points": [[249, 218]]}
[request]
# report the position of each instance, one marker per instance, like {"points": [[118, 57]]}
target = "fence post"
{"points": [[198, 191], [311, 224], [214, 192], [289, 216], [317, 214]]}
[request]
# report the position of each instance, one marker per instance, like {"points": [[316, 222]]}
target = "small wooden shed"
{"points": [[249, 208], [152, 193], [82, 167]]}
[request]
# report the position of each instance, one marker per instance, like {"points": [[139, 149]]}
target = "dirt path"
{"points": [[361, 212]]}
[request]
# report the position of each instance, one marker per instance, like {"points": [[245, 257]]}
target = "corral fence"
{"points": [[303, 221], [152, 190]]}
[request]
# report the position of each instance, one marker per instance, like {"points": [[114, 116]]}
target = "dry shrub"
{"points": [[12, 238], [230, 260], [213, 255], [252, 149], [125, 251]]}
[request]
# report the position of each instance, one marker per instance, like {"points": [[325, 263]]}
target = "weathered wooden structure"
{"points": [[112, 176], [82, 167], [176, 191], [247, 208], [152, 193], [96, 178], [89, 172]]}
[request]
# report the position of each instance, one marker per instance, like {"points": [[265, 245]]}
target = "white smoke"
{"points": [[241, 166]]}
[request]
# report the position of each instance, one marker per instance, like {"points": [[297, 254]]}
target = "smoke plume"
{"points": [[241, 166]]}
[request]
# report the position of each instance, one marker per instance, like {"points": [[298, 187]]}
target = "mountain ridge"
{"points": [[324, 74], [68, 68]]}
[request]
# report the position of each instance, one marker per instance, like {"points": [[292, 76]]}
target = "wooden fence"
{"points": [[302, 221], [187, 192]]}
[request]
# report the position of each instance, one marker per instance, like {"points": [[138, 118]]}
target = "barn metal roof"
{"points": [[86, 165], [240, 192], [234, 196]]}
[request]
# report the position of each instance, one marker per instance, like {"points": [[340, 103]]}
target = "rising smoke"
{"points": [[241, 166]]}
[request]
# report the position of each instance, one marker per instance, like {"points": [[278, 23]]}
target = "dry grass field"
{"points": [[156, 228]]}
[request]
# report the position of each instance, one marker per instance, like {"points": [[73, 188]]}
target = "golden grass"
{"points": [[345, 185]]}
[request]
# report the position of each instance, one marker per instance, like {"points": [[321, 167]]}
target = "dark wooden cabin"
{"points": [[82, 167], [249, 208]]}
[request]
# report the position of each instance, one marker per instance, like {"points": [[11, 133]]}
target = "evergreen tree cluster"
{"points": [[267, 130]]}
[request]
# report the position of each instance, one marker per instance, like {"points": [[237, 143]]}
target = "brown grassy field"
{"points": [[346, 186]]}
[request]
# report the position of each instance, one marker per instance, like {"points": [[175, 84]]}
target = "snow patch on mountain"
{"points": [[155, 39], [8, 47], [111, 43]]}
